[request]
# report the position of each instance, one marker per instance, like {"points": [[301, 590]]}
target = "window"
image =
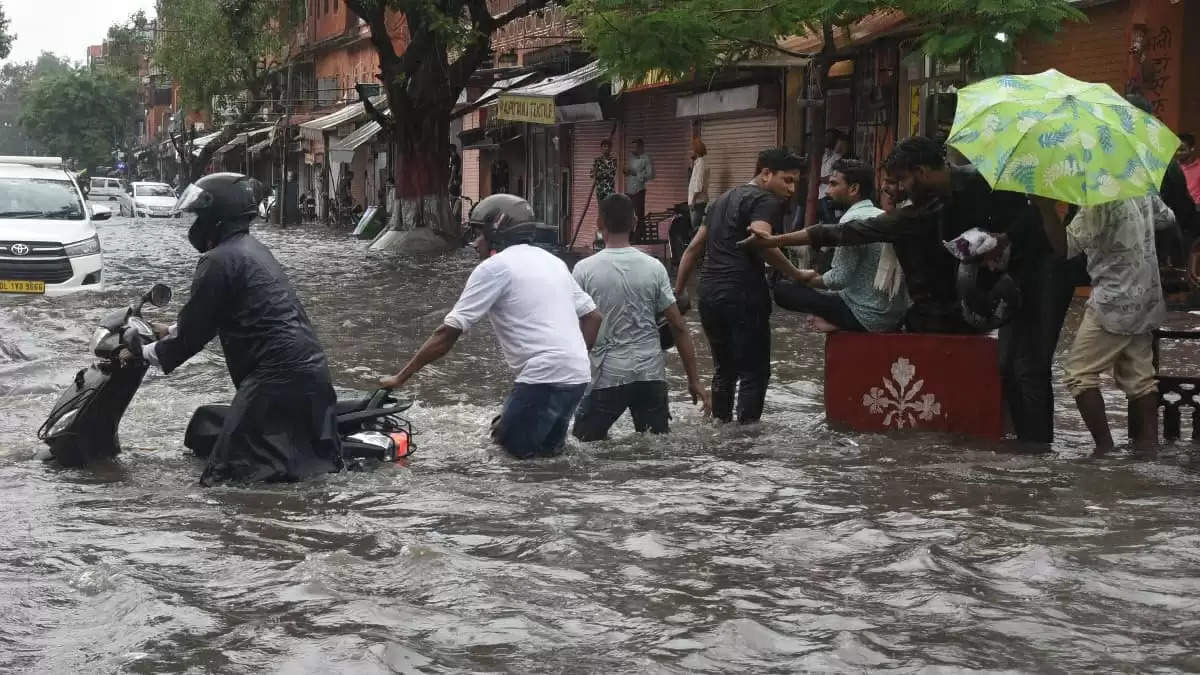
{"points": [[337, 6], [326, 10], [39, 198], [153, 190]]}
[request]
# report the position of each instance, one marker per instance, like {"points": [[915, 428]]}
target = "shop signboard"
{"points": [[532, 109]]}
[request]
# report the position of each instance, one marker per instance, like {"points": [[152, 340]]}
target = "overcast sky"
{"points": [[65, 27]]}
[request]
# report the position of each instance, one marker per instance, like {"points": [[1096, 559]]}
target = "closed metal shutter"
{"points": [[733, 146], [585, 146], [651, 117]]}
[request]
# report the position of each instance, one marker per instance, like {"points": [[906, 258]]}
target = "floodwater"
{"points": [[786, 548]]}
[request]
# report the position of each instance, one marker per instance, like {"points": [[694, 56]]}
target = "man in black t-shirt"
{"points": [[734, 297]]}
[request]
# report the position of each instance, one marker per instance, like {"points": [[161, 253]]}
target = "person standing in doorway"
{"points": [[735, 299], [638, 172], [630, 289], [698, 185], [835, 150], [604, 171]]}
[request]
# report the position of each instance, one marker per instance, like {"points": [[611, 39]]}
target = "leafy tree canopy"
{"points": [[80, 113], [681, 37], [223, 47], [6, 35], [128, 43]]}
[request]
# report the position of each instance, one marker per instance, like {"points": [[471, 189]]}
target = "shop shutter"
{"points": [[470, 168], [585, 146], [651, 117], [733, 146]]}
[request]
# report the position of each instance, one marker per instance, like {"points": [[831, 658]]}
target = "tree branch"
{"points": [[375, 14]]}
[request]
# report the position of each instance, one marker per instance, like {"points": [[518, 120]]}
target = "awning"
{"points": [[260, 146], [342, 149], [243, 138], [501, 86], [351, 113], [485, 139], [561, 84]]}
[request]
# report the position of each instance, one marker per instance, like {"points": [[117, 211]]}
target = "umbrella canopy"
{"points": [[1058, 137]]}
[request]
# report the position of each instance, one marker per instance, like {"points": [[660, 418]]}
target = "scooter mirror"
{"points": [[160, 295]]}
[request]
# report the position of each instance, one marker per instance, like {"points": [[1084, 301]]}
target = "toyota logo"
{"points": [[19, 249]]}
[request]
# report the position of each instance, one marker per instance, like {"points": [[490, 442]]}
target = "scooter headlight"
{"points": [[142, 327], [63, 422], [98, 338]]}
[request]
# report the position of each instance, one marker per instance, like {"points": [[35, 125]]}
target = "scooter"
{"points": [[82, 426], [371, 428]]}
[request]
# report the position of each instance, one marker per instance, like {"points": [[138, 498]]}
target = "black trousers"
{"points": [[601, 408], [639, 205], [797, 297], [1027, 346], [739, 337]]}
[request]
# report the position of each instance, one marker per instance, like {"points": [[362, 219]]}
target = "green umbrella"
{"points": [[1054, 136]]}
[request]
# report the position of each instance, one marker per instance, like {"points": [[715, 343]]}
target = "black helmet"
{"points": [[504, 220], [989, 299], [217, 199]]}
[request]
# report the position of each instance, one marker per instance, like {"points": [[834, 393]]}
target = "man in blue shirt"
{"points": [[864, 290]]}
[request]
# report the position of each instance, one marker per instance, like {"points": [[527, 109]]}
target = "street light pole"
{"points": [[280, 201]]}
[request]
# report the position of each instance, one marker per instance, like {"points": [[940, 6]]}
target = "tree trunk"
{"points": [[422, 221]]}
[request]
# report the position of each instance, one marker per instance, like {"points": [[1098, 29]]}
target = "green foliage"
{"points": [[128, 43], [79, 113], [223, 47], [15, 79], [682, 37], [6, 36]]}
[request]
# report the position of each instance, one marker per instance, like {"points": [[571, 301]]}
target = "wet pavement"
{"points": [[785, 548]]}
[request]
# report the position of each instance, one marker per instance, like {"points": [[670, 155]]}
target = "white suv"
{"points": [[47, 242]]}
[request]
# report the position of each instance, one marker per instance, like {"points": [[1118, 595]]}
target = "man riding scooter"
{"points": [[281, 426]]}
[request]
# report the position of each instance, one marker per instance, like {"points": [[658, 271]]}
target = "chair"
{"points": [[1177, 392], [648, 232]]}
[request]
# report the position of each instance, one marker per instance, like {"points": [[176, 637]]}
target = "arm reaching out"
{"points": [[437, 346]]}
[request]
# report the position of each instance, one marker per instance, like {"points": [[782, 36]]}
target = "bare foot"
{"points": [[822, 326]]}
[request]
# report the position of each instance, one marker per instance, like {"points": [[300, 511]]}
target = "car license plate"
{"points": [[22, 286]]}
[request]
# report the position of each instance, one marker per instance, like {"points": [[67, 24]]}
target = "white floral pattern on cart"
{"points": [[899, 402]]}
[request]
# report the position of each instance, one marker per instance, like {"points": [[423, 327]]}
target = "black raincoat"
{"points": [[281, 425]]}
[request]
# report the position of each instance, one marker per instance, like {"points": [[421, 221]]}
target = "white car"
{"points": [[149, 200], [109, 188], [48, 244]]}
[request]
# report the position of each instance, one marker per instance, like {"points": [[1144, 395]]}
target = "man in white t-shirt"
{"points": [[544, 322]]}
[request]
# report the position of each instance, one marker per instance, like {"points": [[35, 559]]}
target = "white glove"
{"points": [[150, 355]]}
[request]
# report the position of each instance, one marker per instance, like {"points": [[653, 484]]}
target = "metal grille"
{"points": [[49, 271], [37, 249]]}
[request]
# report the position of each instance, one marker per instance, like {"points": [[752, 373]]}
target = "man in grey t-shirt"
{"points": [[630, 290]]}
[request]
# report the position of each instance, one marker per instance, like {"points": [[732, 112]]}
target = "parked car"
{"points": [[48, 244], [149, 200], [109, 188]]}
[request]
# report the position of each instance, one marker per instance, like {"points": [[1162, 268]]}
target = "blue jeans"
{"points": [[535, 418]]}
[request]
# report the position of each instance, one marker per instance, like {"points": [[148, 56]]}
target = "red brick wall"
{"points": [[1189, 95], [358, 62], [1095, 51]]}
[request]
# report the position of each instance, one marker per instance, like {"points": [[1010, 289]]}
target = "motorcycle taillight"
{"points": [[403, 447]]}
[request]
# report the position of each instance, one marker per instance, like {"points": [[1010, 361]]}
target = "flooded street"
{"points": [[786, 548]]}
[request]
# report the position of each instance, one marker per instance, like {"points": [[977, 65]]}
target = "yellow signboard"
{"points": [[532, 109]]}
